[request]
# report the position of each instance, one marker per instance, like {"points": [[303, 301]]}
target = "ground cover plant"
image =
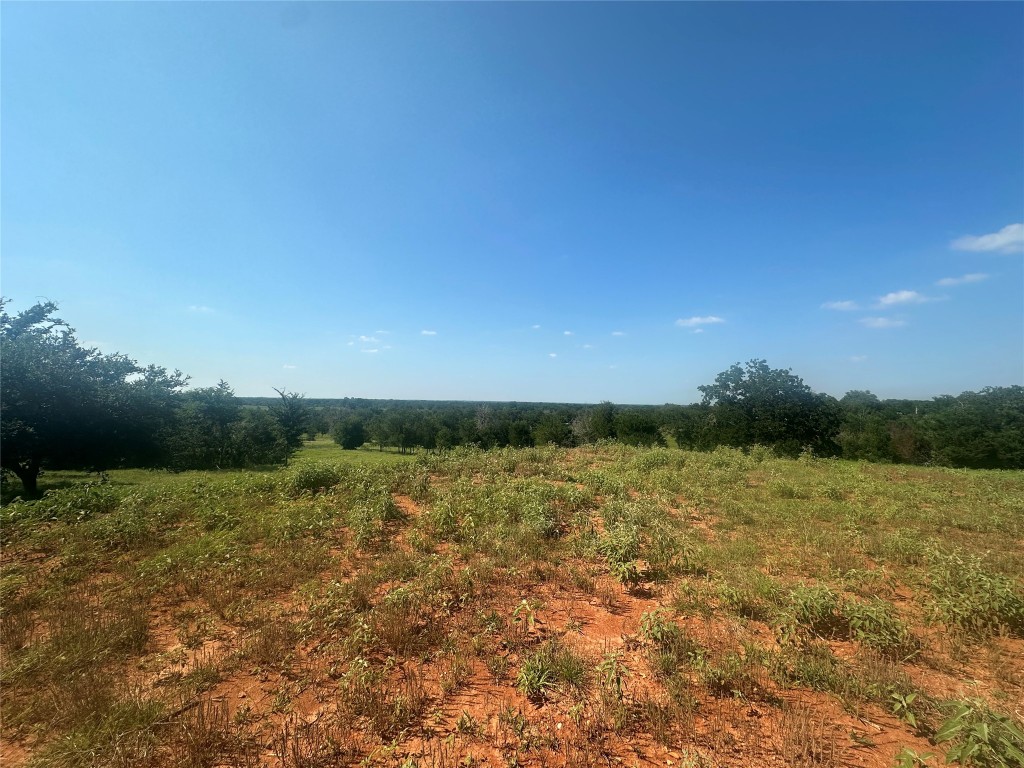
{"points": [[538, 606]]}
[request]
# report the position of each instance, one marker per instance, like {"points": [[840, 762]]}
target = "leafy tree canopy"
{"points": [[66, 406]]}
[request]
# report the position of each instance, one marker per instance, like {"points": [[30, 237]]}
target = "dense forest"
{"points": [[64, 406]]}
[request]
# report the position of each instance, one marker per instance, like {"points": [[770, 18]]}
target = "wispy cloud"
{"points": [[618, 333], [370, 351], [842, 306], [881, 322], [858, 358], [567, 333], [428, 333], [289, 367], [697, 330], [535, 327], [692, 322], [588, 346], [897, 298], [201, 309], [1009, 239], [369, 339], [552, 354], [975, 277]]}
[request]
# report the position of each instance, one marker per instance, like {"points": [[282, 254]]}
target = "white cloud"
{"points": [[567, 333], [588, 346], [535, 327], [369, 339], [382, 333], [976, 277], [428, 333], [618, 333], [552, 354], [902, 297], [697, 330], [289, 367], [351, 344], [691, 322], [200, 309], [858, 358], [370, 351], [1009, 239], [881, 322], [842, 306]]}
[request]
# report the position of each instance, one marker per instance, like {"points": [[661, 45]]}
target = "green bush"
{"points": [[315, 477]]}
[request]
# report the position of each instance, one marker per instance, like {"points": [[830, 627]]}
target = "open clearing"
{"points": [[597, 606]]}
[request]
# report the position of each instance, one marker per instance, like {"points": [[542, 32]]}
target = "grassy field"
{"points": [[600, 606]]}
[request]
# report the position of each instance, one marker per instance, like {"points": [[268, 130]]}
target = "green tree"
{"points": [[201, 437], [349, 432], [293, 417], [637, 427], [552, 428], [755, 404], [64, 406]]}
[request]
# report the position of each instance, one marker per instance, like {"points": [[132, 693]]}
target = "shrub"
{"points": [[315, 477]]}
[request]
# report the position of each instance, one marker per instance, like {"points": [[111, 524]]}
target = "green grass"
{"points": [[719, 579]]}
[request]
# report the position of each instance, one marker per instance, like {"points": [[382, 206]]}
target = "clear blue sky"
{"points": [[567, 202]]}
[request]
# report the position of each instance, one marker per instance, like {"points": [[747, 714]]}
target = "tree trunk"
{"points": [[29, 476]]}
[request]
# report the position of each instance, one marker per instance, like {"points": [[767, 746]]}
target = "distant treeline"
{"points": [[754, 406], [64, 406]]}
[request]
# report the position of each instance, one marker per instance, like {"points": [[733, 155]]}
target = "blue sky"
{"points": [[564, 202]]}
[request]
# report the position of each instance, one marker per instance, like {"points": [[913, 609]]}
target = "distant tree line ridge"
{"points": [[750, 404], [65, 406]]}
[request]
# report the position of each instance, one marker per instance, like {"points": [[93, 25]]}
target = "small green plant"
{"points": [[536, 677], [612, 674], [621, 548], [655, 627], [813, 610], [981, 737], [524, 615], [467, 724], [875, 625], [902, 707], [910, 758]]}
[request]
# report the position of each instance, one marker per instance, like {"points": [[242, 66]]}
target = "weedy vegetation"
{"points": [[539, 606]]}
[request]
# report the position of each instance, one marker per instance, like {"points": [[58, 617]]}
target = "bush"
{"points": [[315, 477]]}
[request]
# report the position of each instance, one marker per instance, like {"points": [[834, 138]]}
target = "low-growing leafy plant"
{"points": [[875, 625], [981, 737], [621, 547], [813, 610], [536, 677], [970, 598]]}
